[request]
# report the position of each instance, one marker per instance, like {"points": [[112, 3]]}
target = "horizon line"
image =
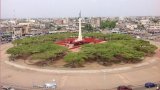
{"points": [[77, 17]]}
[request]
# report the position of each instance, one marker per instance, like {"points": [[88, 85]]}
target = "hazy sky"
{"points": [[71, 8]]}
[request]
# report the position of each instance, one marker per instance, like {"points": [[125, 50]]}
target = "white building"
{"points": [[154, 28], [95, 22], [145, 22], [131, 26]]}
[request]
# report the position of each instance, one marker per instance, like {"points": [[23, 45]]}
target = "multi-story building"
{"points": [[154, 28], [35, 31], [17, 31], [58, 22], [5, 30], [145, 22], [131, 26], [95, 22]]}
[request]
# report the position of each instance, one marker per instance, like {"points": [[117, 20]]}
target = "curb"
{"points": [[81, 71]]}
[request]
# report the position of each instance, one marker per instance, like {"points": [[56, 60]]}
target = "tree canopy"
{"points": [[88, 27], [108, 24], [38, 51]]}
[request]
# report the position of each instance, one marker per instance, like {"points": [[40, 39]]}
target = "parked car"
{"points": [[150, 85], [7, 88], [124, 88]]}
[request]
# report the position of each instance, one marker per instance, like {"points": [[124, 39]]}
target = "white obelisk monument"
{"points": [[80, 29]]}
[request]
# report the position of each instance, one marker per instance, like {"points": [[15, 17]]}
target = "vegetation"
{"points": [[118, 48], [44, 51], [75, 59], [88, 27], [155, 20], [128, 51], [108, 24], [141, 27], [59, 27], [43, 39]]}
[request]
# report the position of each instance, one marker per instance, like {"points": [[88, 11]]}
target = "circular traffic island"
{"points": [[97, 50]]}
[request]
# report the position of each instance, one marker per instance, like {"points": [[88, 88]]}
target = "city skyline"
{"points": [[71, 8]]}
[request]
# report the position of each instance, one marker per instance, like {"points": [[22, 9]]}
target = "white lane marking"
{"points": [[123, 79], [63, 81]]}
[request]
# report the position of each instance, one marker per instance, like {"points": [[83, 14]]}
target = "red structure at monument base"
{"points": [[71, 43]]}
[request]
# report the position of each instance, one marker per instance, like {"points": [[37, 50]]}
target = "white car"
{"points": [[51, 85], [7, 88]]}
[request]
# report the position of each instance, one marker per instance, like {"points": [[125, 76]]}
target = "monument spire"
{"points": [[80, 28]]}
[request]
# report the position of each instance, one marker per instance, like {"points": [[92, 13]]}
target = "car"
{"points": [[150, 85], [51, 85], [7, 88], [124, 88]]}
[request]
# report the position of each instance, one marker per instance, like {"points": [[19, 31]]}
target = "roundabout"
{"points": [[25, 77], [85, 71]]}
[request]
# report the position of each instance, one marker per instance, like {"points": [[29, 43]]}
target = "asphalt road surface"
{"points": [[143, 88]]}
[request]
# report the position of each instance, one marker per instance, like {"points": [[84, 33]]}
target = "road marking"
{"points": [[63, 81], [123, 79]]}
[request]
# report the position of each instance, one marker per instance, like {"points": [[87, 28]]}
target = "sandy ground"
{"points": [[78, 81]]}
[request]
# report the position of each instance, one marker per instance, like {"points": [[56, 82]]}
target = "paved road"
{"points": [[79, 81], [142, 88]]}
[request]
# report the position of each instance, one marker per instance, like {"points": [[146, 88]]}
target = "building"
{"points": [[145, 22], [95, 22], [58, 22], [17, 32], [154, 28], [35, 31], [131, 26]]}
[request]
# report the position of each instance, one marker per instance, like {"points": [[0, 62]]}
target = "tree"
{"points": [[59, 27], [155, 20], [75, 59], [141, 27], [88, 27], [108, 24], [43, 51]]}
